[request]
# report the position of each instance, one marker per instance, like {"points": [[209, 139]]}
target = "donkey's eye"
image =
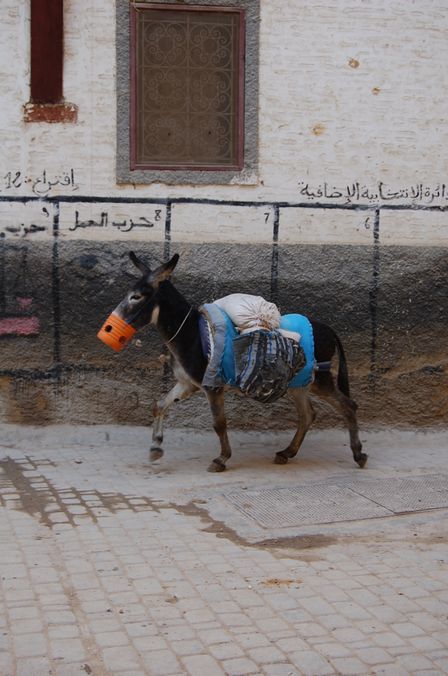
{"points": [[136, 296]]}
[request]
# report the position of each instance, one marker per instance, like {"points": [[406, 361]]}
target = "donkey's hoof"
{"points": [[281, 458], [216, 466], [361, 459], [155, 453]]}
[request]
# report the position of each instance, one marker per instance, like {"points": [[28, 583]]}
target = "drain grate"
{"points": [[407, 494], [322, 503], [305, 505]]}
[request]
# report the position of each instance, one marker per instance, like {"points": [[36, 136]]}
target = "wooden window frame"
{"points": [[134, 165], [248, 175]]}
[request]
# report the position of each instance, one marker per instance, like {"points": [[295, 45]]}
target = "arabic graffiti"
{"points": [[25, 221], [123, 226], [418, 193], [21, 230], [41, 185], [109, 221], [106, 220]]}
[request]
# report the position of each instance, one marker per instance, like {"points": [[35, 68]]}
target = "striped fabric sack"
{"points": [[265, 362]]}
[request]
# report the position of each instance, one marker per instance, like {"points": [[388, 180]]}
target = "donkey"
{"points": [[154, 300]]}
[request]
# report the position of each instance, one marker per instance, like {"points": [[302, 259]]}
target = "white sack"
{"points": [[250, 313]]}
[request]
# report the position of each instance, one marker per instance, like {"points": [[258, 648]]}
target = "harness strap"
{"points": [[323, 366], [178, 330]]}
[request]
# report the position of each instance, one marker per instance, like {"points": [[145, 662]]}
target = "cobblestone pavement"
{"points": [[111, 565]]}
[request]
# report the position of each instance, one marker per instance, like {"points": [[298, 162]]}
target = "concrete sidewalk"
{"points": [[111, 565]]}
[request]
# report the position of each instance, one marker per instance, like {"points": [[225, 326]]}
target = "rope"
{"points": [[178, 330]]}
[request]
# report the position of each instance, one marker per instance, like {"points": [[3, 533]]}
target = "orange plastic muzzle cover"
{"points": [[115, 332]]}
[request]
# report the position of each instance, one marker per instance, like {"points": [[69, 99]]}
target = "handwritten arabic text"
{"points": [[41, 185], [381, 193], [123, 226]]}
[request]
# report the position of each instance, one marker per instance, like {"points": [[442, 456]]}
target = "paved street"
{"points": [[111, 565]]}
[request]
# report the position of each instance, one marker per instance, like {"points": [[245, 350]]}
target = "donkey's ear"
{"points": [[164, 271], [144, 269]]}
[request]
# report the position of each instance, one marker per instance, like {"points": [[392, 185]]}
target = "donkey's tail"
{"points": [[342, 370]]}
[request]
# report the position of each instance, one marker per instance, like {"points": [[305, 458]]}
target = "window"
{"points": [[186, 113], [186, 77]]}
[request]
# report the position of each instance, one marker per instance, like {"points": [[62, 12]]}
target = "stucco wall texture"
{"points": [[345, 218]]}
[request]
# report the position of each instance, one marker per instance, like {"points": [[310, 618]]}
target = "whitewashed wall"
{"points": [[353, 101]]}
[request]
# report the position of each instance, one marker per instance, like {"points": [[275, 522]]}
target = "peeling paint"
{"points": [[50, 112], [19, 326]]}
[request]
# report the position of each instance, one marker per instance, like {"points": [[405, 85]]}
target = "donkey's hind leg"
{"points": [[216, 401], [325, 388], [181, 390], [306, 416]]}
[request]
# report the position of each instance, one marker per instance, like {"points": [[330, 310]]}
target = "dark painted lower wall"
{"points": [[388, 304]]}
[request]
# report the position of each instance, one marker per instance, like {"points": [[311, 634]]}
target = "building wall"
{"points": [[345, 219]]}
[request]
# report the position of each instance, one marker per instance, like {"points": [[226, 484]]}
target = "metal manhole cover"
{"points": [[406, 494], [305, 505], [312, 504]]}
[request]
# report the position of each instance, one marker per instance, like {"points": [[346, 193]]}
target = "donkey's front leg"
{"points": [[216, 401], [181, 390]]}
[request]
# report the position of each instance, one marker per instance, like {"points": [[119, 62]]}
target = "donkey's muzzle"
{"points": [[115, 332]]}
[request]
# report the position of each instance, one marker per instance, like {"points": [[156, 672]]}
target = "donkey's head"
{"points": [[139, 307]]}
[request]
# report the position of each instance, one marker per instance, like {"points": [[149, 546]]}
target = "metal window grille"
{"points": [[187, 93]]}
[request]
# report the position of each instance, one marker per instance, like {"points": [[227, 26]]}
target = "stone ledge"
{"points": [[50, 112]]}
